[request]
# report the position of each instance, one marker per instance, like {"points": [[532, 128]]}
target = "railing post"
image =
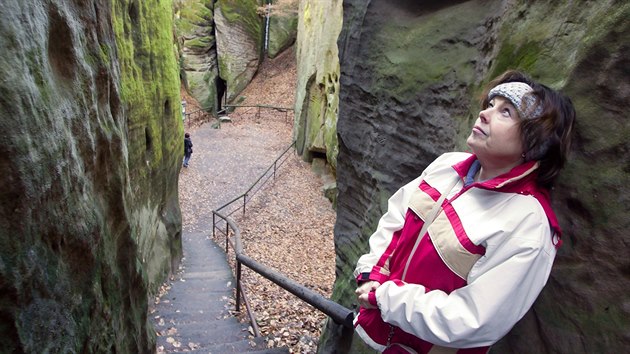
{"points": [[214, 223], [274, 170], [227, 236], [244, 202], [238, 286]]}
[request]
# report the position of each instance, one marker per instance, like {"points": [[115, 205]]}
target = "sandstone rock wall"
{"points": [[197, 47], [317, 91], [283, 21], [239, 36], [411, 73], [91, 149], [221, 44]]}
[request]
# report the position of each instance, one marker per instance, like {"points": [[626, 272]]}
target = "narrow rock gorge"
{"points": [[90, 112]]}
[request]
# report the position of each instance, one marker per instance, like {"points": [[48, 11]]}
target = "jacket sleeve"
{"points": [[368, 266], [502, 286]]}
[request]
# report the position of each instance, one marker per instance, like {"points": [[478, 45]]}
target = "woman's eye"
{"points": [[506, 112]]}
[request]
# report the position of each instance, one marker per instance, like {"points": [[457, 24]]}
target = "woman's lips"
{"points": [[477, 129]]}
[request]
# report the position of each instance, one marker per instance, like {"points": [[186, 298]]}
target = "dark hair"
{"points": [[546, 138], [186, 135]]}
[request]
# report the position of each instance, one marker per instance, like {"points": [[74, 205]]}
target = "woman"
{"points": [[464, 250]]}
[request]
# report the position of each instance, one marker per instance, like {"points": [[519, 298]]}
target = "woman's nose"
{"points": [[483, 115]]}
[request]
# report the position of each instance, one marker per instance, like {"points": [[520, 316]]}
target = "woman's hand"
{"points": [[363, 291]]}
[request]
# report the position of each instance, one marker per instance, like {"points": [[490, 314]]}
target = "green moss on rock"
{"points": [[282, 31], [201, 43], [79, 276], [423, 50], [244, 13], [193, 15], [317, 92]]}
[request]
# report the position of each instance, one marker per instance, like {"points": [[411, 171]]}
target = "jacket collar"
{"points": [[521, 179], [523, 172]]}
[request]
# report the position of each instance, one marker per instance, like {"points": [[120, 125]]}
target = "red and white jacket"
{"points": [[476, 272]]}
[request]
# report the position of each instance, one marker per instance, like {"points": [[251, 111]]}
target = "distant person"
{"points": [[187, 149], [464, 250]]}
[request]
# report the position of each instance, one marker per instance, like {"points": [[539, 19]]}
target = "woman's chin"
{"points": [[471, 141]]}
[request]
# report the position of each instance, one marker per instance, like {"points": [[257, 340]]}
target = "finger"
{"points": [[362, 289]]}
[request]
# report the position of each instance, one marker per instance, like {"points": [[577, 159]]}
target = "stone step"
{"points": [[206, 253], [203, 334], [241, 346], [281, 350], [181, 314], [244, 347], [182, 323], [202, 286], [194, 316]]}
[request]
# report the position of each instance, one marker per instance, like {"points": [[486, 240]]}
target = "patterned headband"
{"points": [[518, 93]]}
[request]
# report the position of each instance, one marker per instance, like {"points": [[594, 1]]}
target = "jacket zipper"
{"points": [[390, 336]]}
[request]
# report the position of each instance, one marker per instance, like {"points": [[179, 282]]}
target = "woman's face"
{"points": [[496, 136]]}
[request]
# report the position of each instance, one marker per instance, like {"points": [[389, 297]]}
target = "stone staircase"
{"points": [[193, 316]]}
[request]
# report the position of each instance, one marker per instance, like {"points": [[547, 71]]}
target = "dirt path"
{"points": [[224, 163]]}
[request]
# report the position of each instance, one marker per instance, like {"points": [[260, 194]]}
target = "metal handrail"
{"points": [[241, 106], [337, 312], [188, 115], [248, 193], [262, 106]]}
